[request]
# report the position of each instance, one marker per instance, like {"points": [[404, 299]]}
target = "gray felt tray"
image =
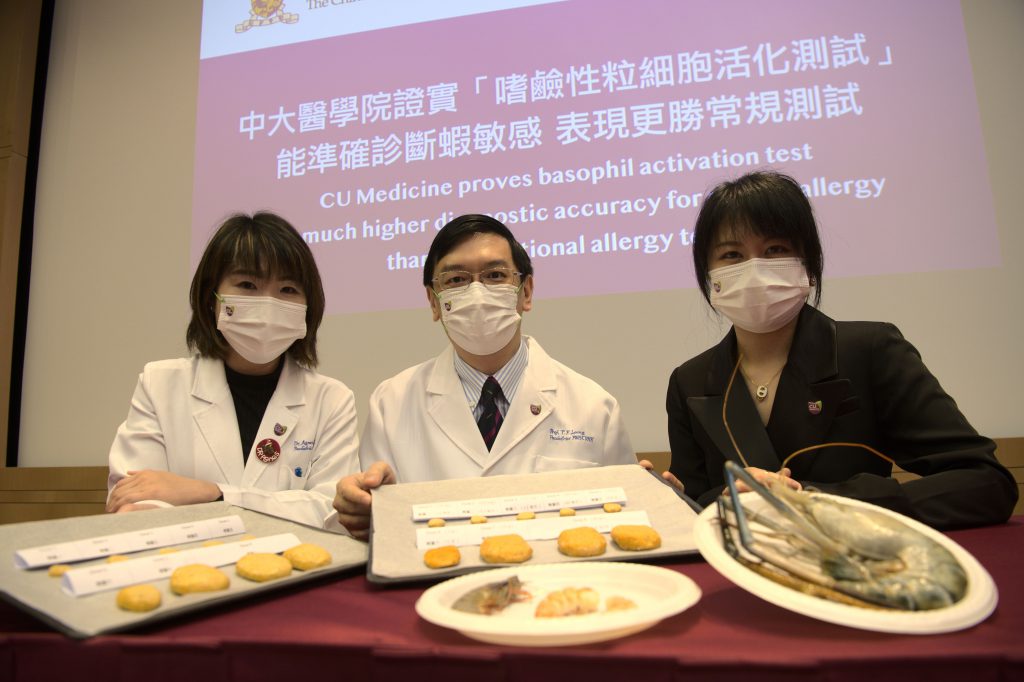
{"points": [[36, 592], [394, 557]]}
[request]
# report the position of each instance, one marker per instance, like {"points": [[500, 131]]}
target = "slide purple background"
{"points": [[918, 129]]}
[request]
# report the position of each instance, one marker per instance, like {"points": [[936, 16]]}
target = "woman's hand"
{"points": [[669, 477], [135, 507], [765, 478], [160, 485]]}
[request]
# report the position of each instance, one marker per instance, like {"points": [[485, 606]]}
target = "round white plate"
{"points": [[658, 593], [974, 607]]}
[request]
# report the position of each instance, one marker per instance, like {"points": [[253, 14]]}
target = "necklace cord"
{"points": [[725, 403], [785, 462]]}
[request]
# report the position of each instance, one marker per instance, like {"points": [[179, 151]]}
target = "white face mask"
{"points": [[260, 328], [480, 319], [761, 294]]}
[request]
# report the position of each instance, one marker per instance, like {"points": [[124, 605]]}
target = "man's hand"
{"points": [[353, 497], [667, 475], [160, 485]]}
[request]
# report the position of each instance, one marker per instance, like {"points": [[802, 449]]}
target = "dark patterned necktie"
{"points": [[490, 418]]}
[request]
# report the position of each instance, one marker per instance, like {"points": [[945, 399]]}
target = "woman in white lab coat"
{"points": [[246, 419]]}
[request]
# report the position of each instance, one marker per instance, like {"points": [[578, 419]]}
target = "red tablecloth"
{"points": [[349, 629]]}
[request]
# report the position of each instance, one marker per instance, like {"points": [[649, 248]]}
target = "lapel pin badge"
{"points": [[535, 409], [268, 450], [814, 407], [279, 429]]}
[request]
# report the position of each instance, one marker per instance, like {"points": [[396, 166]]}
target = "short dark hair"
{"points": [[462, 228], [767, 203], [268, 246]]}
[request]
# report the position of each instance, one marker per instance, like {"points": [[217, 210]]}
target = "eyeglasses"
{"points": [[492, 277]]}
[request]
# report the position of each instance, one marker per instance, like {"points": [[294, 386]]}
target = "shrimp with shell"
{"points": [[492, 597], [848, 552]]}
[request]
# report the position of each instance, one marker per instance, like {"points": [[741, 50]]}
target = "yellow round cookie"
{"points": [[116, 558], [57, 570], [505, 549], [307, 556], [138, 598], [261, 567], [525, 516], [435, 523], [478, 519], [567, 511], [198, 578], [168, 550], [442, 557], [612, 507], [582, 541], [636, 538], [212, 543]]}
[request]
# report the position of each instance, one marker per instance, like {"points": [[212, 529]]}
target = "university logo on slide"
{"points": [[265, 13]]}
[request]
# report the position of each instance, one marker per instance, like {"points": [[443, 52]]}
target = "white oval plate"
{"points": [[658, 593], [974, 607]]}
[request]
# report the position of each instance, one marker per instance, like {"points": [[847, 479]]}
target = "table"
{"points": [[349, 629]]}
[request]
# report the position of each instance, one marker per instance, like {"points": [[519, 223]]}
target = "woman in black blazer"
{"points": [[797, 379]]}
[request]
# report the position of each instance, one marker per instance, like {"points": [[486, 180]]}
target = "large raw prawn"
{"points": [[841, 551]]}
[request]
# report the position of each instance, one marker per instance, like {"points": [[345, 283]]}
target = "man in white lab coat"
{"points": [[493, 402]]}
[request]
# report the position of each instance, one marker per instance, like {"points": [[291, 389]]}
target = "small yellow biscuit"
{"points": [[505, 549], [115, 558], [261, 567], [212, 543], [307, 556], [478, 519], [138, 598], [435, 523], [582, 541], [636, 538], [247, 536], [612, 507], [442, 557], [168, 550], [567, 511], [525, 516], [57, 570], [198, 578]]}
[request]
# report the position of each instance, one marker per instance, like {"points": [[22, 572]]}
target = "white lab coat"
{"points": [[421, 425], [182, 419]]}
